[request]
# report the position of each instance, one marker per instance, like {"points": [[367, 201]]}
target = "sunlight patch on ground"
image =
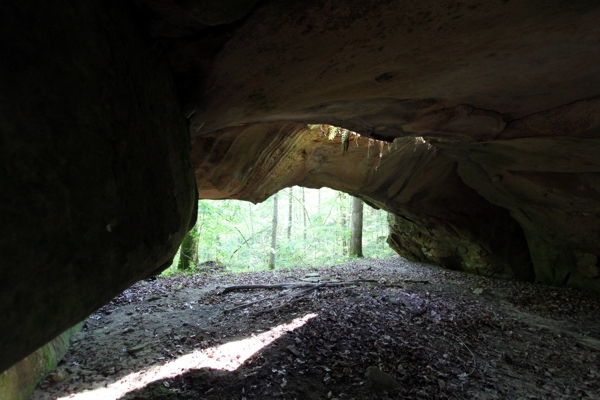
{"points": [[228, 356]]}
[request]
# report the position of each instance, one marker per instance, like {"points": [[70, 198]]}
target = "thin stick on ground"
{"points": [[472, 355], [293, 298], [248, 304], [265, 286], [293, 285], [311, 287]]}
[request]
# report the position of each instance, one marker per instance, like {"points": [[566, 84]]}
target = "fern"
{"points": [[345, 141], [333, 131]]}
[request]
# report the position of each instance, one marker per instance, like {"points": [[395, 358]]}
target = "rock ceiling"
{"points": [[502, 96]]}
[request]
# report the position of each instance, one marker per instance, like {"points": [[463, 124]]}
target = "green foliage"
{"points": [[188, 252], [332, 132], [345, 141], [20, 380], [238, 234]]}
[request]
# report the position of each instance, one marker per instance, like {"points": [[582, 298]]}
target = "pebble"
{"points": [[138, 348], [60, 375], [380, 381], [293, 350]]}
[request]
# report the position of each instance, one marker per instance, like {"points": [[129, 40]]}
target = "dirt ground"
{"points": [[419, 331]]}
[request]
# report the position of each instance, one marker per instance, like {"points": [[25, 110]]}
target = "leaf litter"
{"points": [[414, 332]]}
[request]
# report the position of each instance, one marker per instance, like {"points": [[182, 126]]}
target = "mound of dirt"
{"points": [[211, 266]]}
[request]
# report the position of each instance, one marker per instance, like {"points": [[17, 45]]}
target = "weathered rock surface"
{"points": [[438, 218], [505, 93], [519, 209], [18, 382], [551, 186], [96, 185], [389, 69]]}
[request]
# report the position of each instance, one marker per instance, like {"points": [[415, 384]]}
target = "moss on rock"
{"points": [[18, 381]]}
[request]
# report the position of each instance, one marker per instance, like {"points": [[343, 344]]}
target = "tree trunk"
{"points": [[188, 255], [251, 216], [304, 214], [273, 235], [357, 228], [344, 222], [289, 227]]}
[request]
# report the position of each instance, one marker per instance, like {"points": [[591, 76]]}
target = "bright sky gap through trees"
{"points": [[238, 233]]}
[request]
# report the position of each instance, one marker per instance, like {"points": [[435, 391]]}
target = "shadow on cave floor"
{"points": [[437, 333]]}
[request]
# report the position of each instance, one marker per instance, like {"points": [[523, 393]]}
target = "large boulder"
{"points": [[96, 188]]}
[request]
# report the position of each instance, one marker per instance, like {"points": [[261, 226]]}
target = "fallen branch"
{"points": [[294, 298], [255, 302], [274, 286], [415, 280], [293, 285], [311, 287]]}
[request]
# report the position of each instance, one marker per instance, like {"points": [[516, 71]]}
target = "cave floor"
{"points": [[438, 333]]}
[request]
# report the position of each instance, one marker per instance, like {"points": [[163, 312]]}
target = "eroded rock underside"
{"points": [[486, 117], [492, 109]]}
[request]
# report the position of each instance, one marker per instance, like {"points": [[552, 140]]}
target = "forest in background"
{"points": [[313, 229]]}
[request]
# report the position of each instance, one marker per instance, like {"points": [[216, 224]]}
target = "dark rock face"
{"points": [[96, 188], [551, 187]]}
